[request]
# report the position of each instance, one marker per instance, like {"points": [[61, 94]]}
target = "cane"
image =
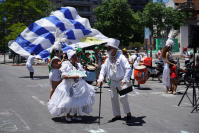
{"points": [[100, 103]]}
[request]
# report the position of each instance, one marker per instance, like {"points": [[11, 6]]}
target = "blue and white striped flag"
{"points": [[40, 35]]}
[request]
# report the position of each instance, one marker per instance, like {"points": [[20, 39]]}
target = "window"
{"points": [[85, 9]]}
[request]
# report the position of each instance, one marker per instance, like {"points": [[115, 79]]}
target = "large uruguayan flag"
{"points": [[40, 35]]}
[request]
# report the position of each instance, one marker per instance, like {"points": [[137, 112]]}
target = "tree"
{"points": [[153, 17], [21, 13], [15, 30], [115, 20], [174, 18], [156, 17]]}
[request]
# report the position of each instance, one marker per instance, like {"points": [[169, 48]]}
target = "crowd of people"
{"points": [[73, 95]]}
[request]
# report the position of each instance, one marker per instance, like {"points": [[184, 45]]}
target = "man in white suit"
{"points": [[117, 68]]}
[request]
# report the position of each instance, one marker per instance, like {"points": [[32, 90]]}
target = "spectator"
{"points": [[145, 53], [98, 60], [174, 79], [187, 55], [159, 53], [81, 57], [124, 52]]}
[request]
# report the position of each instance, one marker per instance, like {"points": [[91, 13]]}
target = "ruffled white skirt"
{"points": [[166, 76], [63, 102], [54, 75]]}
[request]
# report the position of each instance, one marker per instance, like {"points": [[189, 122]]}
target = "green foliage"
{"points": [[136, 45], [153, 15], [156, 17], [15, 30], [27, 10], [115, 20], [173, 18], [15, 16]]}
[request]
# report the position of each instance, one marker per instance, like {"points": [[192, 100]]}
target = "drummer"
{"points": [[81, 58], [89, 60], [132, 60], [98, 60]]}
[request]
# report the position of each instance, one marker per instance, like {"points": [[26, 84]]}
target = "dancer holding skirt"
{"points": [[73, 95]]}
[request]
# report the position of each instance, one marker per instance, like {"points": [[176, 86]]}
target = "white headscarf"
{"points": [[70, 53]]}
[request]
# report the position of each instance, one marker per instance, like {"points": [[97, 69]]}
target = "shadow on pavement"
{"points": [[85, 120], [142, 88], [135, 121], [36, 77]]}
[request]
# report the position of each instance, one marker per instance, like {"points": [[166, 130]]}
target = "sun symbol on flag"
{"points": [[91, 40]]}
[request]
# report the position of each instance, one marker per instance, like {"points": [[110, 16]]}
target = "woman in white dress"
{"points": [[73, 95], [167, 57], [168, 60], [55, 75]]}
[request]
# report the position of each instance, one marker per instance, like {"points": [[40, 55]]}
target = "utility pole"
{"points": [[150, 43]]}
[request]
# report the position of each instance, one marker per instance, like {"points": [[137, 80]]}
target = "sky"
{"points": [[163, 0]]}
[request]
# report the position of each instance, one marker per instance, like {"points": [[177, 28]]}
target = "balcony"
{"points": [[186, 7], [84, 12], [138, 1], [77, 2]]}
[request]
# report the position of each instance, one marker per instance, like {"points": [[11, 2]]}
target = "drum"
{"points": [[141, 74], [91, 73]]}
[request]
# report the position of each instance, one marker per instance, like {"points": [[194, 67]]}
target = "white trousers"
{"points": [[29, 67], [115, 98]]}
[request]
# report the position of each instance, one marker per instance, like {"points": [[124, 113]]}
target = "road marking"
{"points": [[1, 79], [95, 129], [31, 85], [177, 106], [11, 122], [41, 102], [43, 85]]}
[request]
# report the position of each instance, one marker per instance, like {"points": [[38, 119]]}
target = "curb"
{"points": [[25, 65]]}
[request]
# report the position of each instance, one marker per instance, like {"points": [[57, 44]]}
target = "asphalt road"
{"points": [[23, 108]]}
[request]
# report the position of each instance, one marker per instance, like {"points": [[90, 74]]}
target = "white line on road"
{"points": [[1, 79], [41, 102]]}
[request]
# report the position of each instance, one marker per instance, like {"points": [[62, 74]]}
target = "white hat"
{"points": [[70, 53], [113, 43]]}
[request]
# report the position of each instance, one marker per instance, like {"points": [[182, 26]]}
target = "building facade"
{"points": [[137, 4], [84, 7]]}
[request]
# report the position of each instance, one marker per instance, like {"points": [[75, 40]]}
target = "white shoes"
{"points": [[68, 119], [77, 118]]}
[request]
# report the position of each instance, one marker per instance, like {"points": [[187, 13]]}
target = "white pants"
{"points": [[115, 98], [29, 67]]}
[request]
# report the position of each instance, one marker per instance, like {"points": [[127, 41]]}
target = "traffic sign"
{"points": [[146, 31]]}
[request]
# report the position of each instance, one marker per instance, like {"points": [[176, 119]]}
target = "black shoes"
{"points": [[116, 118], [129, 117]]}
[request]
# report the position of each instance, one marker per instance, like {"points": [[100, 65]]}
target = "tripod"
{"points": [[194, 101]]}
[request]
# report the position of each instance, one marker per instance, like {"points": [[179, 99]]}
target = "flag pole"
{"points": [[100, 103]]}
